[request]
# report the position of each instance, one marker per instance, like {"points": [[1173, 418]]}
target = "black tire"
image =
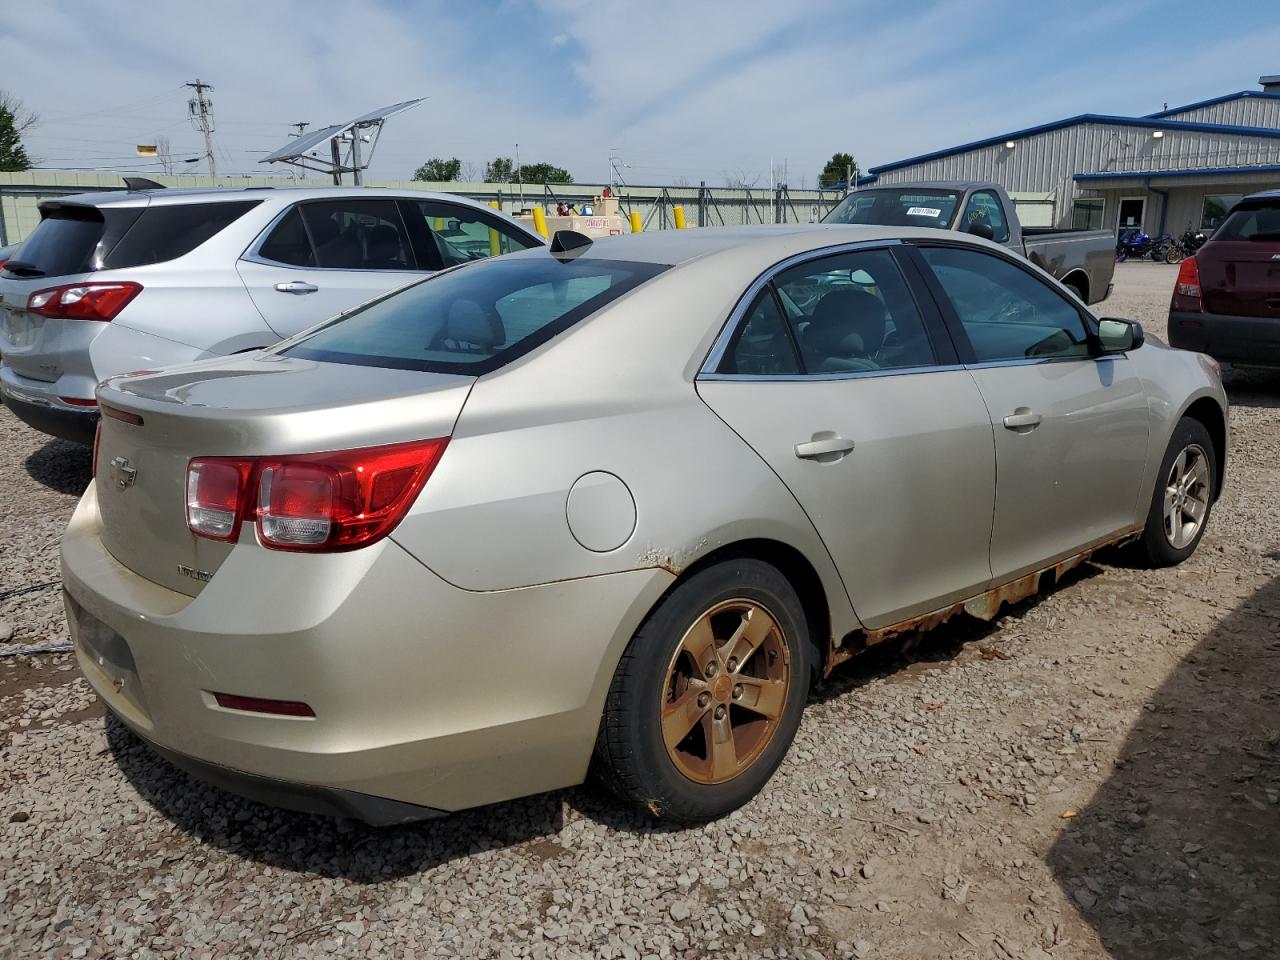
{"points": [[631, 757], [1155, 546], [1174, 254]]}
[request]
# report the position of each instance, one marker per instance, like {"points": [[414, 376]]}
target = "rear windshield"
{"points": [[897, 208], [1260, 222], [476, 318], [63, 242], [169, 231]]}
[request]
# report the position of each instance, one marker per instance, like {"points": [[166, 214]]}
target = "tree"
{"points": [[439, 170], [837, 169], [740, 179], [14, 119], [467, 172], [499, 170], [545, 173]]}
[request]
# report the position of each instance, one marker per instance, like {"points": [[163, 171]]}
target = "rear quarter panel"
{"points": [[614, 394]]}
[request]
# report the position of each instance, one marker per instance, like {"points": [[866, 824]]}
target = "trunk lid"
{"points": [[252, 405], [38, 347], [1240, 265], [1240, 278]]}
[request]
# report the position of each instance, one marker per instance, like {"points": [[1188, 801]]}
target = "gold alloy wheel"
{"points": [[725, 691]]}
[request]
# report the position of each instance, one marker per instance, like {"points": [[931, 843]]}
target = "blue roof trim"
{"points": [[1150, 124], [1153, 174], [1213, 101]]}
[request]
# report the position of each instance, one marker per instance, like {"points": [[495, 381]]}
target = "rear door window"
{"points": [[358, 234], [289, 243], [474, 320], [62, 243], [168, 231]]}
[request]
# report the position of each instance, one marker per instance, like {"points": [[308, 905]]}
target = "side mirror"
{"points": [[1118, 336], [980, 228]]}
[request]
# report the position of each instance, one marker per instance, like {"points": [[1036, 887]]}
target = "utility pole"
{"points": [[520, 176], [201, 112], [302, 127]]}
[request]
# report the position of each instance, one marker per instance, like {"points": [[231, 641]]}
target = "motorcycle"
{"points": [[1162, 246], [1133, 245], [1189, 243]]}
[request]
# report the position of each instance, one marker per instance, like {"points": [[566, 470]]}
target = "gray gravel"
{"points": [[1096, 773]]}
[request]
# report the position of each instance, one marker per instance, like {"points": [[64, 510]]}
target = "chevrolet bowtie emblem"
{"points": [[122, 473]]}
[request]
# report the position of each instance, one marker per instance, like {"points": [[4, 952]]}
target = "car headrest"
{"points": [[847, 322], [469, 323]]}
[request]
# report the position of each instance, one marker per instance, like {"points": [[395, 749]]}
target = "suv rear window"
{"points": [[169, 231], [908, 207], [63, 242], [1258, 221], [475, 319]]}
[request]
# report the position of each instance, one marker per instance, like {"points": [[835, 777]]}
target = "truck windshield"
{"points": [[898, 208]]}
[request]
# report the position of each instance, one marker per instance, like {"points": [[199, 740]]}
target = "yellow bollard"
{"points": [[679, 214], [540, 221], [637, 224], [495, 243], [495, 204]]}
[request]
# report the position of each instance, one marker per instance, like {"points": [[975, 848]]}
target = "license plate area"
{"points": [[107, 653]]}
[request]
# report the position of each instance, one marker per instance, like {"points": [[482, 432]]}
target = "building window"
{"points": [[1086, 213], [1215, 209]]}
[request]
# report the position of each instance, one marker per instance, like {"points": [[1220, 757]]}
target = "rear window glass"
{"points": [[62, 243], [169, 231], [897, 208], [475, 319], [1252, 223]]}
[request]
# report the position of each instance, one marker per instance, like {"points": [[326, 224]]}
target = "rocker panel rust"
{"points": [[984, 605]]}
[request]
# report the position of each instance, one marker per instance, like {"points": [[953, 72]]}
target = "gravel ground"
{"points": [[1096, 773]]}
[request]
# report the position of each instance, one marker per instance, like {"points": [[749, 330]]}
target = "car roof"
{"points": [[767, 243], [1262, 196], [929, 185], [283, 195]]}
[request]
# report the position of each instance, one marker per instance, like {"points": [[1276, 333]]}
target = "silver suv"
{"points": [[110, 283]]}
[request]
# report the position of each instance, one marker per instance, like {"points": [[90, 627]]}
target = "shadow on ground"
{"points": [[1252, 386], [62, 466], [1178, 853]]}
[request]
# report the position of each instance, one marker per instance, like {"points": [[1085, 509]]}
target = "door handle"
{"points": [[813, 449], [1023, 418], [297, 286]]}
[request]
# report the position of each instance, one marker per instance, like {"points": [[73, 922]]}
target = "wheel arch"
{"points": [[1078, 281], [799, 572], [1208, 412]]}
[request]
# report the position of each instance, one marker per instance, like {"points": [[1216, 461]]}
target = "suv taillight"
{"points": [[317, 501], [84, 301], [1188, 283]]}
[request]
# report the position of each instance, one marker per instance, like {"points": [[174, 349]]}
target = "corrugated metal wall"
{"points": [[1242, 111], [1047, 161]]}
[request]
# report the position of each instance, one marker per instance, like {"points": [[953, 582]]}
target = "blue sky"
{"points": [[682, 90]]}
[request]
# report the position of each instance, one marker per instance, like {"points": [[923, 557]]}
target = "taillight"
{"points": [[1188, 284], [84, 301], [317, 501]]}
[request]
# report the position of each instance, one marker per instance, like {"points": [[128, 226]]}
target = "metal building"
{"points": [[1165, 172]]}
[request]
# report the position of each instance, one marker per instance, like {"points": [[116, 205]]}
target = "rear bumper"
{"points": [[424, 695], [35, 404], [1245, 340]]}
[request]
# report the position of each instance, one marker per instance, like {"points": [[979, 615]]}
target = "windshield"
{"points": [[898, 208], [474, 319]]}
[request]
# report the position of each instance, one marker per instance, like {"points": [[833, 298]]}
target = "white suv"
{"points": [[110, 283]]}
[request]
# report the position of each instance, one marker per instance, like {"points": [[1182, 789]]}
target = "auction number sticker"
{"points": [[924, 212]]}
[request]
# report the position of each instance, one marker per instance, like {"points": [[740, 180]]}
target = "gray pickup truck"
{"points": [[1083, 260]]}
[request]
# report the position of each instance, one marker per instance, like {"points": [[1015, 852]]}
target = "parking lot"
{"points": [[1096, 773]]}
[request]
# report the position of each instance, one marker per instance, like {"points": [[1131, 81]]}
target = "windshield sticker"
{"points": [[924, 212]]}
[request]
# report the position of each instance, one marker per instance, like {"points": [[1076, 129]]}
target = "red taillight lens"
{"points": [[283, 708], [320, 501], [1188, 284], [84, 301], [216, 495]]}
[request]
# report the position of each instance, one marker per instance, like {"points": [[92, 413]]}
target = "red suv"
{"points": [[1226, 302]]}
